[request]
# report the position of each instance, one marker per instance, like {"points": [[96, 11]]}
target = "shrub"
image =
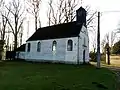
{"points": [[93, 56], [103, 58]]}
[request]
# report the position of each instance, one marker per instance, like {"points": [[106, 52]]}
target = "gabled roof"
{"points": [[81, 8], [57, 31]]}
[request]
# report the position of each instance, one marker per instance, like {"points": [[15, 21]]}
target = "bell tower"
{"points": [[81, 16]]}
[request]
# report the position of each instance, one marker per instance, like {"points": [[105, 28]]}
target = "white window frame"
{"points": [[54, 45], [70, 45]]}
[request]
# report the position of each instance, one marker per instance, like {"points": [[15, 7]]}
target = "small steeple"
{"points": [[81, 16]]}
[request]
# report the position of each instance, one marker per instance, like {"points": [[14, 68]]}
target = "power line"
{"points": [[106, 12], [110, 11]]}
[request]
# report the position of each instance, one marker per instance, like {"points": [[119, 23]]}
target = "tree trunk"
{"points": [[36, 22], [15, 42], [3, 35], [108, 56]]}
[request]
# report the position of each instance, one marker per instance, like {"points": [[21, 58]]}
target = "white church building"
{"points": [[66, 43]]}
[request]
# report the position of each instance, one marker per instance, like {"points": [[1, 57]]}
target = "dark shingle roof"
{"points": [[21, 48], [57, 31]]}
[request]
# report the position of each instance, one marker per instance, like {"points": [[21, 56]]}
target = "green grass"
{"points": [[36, 76]]}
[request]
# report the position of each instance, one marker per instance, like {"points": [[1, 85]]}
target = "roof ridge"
{"points": [[56, 25]]}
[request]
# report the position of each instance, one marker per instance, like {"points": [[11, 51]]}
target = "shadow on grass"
{"points": [[44, 62], [21, 61], [99, 85]]}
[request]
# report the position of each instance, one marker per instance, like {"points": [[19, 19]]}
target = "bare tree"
{"points": [[4, 14], [91, 18], [106, 47], [103, 43], [21, 35], [55, 15], [69, 11], [49, 12], [16, 18], [113, 37], [34, 8], [93, 39], [1, 2], [109, 39], [64, 12], [8, 33]]}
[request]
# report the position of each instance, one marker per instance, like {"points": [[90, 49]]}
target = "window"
{"points": [[28, 49], [38, 46], [69, 45], [54, 46]]}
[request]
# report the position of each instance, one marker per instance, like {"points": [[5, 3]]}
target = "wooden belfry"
{"points": [[81, 16]]}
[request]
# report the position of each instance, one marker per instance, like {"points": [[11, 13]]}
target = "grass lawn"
{"points": [[36, 76]]}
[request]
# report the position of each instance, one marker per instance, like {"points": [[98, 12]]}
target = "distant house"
{"points": [[67, 42]]}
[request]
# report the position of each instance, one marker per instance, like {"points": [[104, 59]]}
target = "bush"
{"points": [[93, 56], [103, 58], [116, 48]]}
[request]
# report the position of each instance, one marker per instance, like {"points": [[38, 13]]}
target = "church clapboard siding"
{"points": [[46, 53]]}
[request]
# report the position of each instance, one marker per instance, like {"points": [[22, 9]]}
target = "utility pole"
{"points": [[98, 42]]}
